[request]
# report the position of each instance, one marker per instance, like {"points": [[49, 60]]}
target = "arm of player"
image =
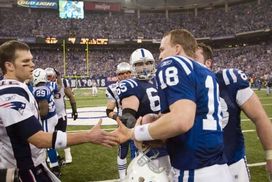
{"points": [[59, 81], [179, 120], [130, 106], [255, 111], [109, 110], [43, 108], [96, 136], [68, 92]]}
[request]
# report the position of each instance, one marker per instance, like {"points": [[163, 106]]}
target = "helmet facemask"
{"points": [[143, 64], [144, 69]]}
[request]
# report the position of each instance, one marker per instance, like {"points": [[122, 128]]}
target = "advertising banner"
{"points": [[96, 6], [48, 4]]}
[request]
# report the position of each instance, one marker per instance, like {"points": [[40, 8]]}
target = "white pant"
{"points": [[214, 173], [94, 90], [240, 171], [49, 124]]}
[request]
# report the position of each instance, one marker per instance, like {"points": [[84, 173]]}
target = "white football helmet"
{"points": [[143, 64], [142, 169], [39, 76], [50, 74], [123, 67]]}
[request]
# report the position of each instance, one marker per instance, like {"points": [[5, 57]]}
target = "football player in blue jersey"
{"points": [[139, 96], [236, 96], [191, 110], [23, 140], [47, 109], [123, 72]]}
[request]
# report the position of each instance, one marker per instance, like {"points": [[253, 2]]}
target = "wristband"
{"points": [[141, 133], [268, 154], [59, 140]]}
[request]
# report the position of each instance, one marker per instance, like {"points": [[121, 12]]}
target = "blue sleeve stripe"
{"points": [[15, 90], [183, 65]]}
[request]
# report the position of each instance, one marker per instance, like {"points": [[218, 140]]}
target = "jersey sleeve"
{"points": [[15, 107], [127, 88], [238, 80], [175, 81]]}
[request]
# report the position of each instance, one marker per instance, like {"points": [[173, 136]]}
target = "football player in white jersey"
{"points": [[123, 72], [59, 97], [22, 137], [236, 96], [191, 113]]}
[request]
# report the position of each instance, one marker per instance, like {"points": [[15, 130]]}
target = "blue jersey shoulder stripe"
{"points": [[233, 76], [187, 60], [184, 65], [15, 90], [225, 77], [131, 82], [229, 76]]}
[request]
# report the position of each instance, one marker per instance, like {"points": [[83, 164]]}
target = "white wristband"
{"points": [[61, 140], [268, 154], [141, 133]]}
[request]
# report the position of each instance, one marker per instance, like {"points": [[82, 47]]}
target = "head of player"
{"points": [[39, 76], [123, 71], [51, 74], [143, 64], [178, 42], [204, 55], [16, 61]]}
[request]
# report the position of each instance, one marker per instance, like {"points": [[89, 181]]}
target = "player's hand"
{"points": [[74, 115], [122, 132], [149, 118], [99, 136]]}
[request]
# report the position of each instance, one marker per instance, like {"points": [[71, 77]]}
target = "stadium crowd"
{"points": [[255, 60], [239, 18]]}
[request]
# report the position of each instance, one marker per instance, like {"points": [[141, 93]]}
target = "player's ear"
{"points": [[208, 63], [9, 66], [179, 49]]}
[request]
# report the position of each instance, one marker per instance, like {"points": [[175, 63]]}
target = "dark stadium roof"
{"points": [[170, 4]]}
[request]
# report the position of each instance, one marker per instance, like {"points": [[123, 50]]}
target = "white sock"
{"points": [[122, 165]]}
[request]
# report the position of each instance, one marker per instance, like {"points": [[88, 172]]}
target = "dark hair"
{"points": [[8, 50], [207, 51], [184, 38]]}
